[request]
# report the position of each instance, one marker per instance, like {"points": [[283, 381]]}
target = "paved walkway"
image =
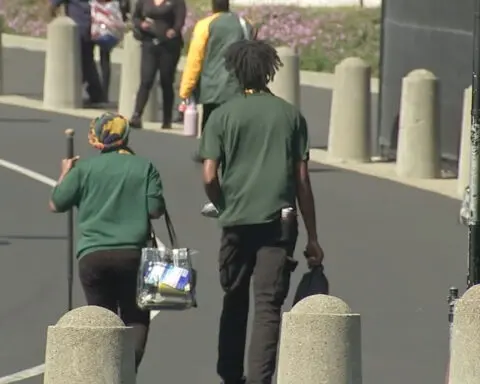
{"points": [[392, 252]]}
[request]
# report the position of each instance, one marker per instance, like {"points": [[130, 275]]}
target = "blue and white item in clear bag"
{"points": [[108, 27], [166, 279]]}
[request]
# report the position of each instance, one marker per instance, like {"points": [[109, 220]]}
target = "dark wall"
{"points": [[434, 35]]}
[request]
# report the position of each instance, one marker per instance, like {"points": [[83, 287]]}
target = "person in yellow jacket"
{"points": [[204, 76]]}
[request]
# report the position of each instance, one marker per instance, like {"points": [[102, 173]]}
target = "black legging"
{"points": [[164, 58], [105, 69], [109, 280]]}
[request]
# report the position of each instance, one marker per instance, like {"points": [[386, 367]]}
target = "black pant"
{"points": [[105, 69], [161, 58], [257, 250], [109, 280], [89, 71]]}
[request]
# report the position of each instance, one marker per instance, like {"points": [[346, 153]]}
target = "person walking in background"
{"points": [[116, 194], [158, 25], [204, 76], [80, 12], [113, 15], [261, 144]]}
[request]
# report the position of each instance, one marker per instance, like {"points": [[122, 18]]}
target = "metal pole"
{"points": [[452, 299], [474, 222], [69, 133]]}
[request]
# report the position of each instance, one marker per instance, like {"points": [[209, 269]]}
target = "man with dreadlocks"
{"points": [[261, 144]]}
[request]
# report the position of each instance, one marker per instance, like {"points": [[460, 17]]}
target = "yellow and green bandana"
{"points": [[109, 132]]}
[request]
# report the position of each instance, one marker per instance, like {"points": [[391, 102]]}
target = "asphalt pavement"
{"points": [[391, 253], [315, 102]]}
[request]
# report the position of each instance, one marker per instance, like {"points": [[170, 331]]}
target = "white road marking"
{"points": [[38, 370], [23, 375]]}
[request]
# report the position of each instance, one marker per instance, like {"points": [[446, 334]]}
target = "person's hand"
{"points": [[68, 164], [314, 254], [145, 25], [171, 33]]}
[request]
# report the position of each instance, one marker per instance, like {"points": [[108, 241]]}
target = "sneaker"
{"points": [[209, 210]]}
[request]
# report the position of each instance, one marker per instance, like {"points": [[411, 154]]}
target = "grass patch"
{"points": [[323, 36]]}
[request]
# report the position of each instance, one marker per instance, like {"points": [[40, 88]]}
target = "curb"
{"points": [[445, 187], [37, 44]]}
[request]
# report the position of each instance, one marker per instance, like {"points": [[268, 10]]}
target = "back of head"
{"points": [[109, 132], [220, 6], [254, 63]]}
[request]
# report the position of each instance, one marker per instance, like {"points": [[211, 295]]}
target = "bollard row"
{"points": [[349, 140]]}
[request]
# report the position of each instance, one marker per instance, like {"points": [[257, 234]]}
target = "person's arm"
{"points": [[211, 151], [155, 199], [66, 194], [195, 57], [180, 13], [305, 199], [137, 16]]}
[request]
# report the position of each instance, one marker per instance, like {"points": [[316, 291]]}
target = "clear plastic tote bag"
{"points": [[166, 277]]}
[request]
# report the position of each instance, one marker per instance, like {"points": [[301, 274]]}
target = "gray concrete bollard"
{"points": [[90, 345], [465, 339], [349, 133], [418, 152], [130, 81], [320, 343], [286, 83], [464, 158], [63, 76]]}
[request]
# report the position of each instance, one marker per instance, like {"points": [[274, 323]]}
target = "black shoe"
{"points": [[167, 125], [243, 380], [136, 121]]}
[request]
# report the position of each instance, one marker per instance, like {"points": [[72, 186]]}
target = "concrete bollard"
{"points": [[418, 153], [320, 343], [130, 81], [349, 133], [63, 76], [465, 144], [465, 339], [90, 345], [286, 83]]}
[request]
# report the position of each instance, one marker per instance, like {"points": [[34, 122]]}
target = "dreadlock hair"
{"points": [[220, 5], [253, 62]]}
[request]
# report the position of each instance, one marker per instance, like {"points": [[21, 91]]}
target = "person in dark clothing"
{"points": [[79, 11], [116, 194], [204, 76], [105, 52], [261, 144], [159, 26]]}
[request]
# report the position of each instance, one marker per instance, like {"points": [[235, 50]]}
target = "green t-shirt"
{"points": [[114, 194], [257, 139]]}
